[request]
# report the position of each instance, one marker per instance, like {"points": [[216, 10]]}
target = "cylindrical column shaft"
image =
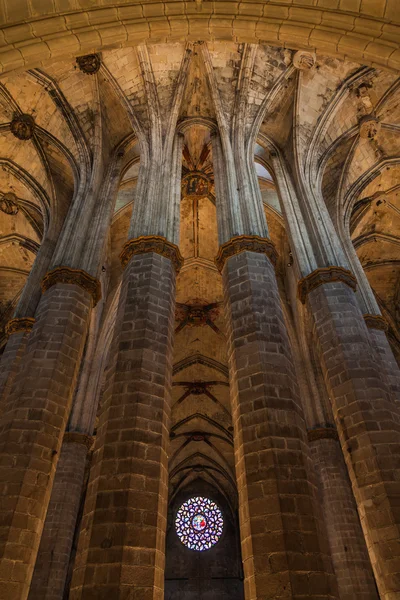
{"points": [[122, 539], [51, 568], [387, 361], [368, 423], [348, 550], [32, 426], [10, 362], [284, 555]]}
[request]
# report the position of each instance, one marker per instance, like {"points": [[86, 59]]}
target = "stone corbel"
{"points": [[152, 243], [322, 433], [376, 322], [325, 275], [74, 277], [18, 325], [245, 243], [75, 437]]}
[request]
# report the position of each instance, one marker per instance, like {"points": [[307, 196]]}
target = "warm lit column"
{"points": [[366, 415], [33, 421], [20, 325], [283, 551], [51, 568], [122, 539], [349, 553], [367, 419], [53, 560], [378, 327], [18, 332]]}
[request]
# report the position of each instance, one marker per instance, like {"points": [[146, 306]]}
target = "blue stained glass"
{"points": [[199, 523]]}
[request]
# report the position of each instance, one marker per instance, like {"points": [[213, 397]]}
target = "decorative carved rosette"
{"points": [[9, 204], [325, 275], [75, 277], [245, 243], [22, 126], [89, 64], [197, 313], [376, 322], [152, 243], [304, 60], [75, 437], [322, 433], [17, 325]]}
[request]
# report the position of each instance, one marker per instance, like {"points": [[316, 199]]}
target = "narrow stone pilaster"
{"points": [[51, 568], [284, 555], [122, 539], [348, 550], [32, 426], [368, 423]]}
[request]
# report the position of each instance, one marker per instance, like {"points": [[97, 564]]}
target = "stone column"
{"points": [[283, 551], [348, 550], [34, 419], [51, 568], [18, 331], [122, 538], [378, 327], [367, 419], [53, 558]]}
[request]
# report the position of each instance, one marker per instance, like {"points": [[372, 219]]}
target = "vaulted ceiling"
{"points": [[336, 124]]}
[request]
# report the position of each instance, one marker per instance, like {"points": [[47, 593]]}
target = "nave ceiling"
{"points": [[334, 125]]}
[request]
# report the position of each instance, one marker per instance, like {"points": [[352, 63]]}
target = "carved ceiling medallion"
{"points": [[22, 126], [9, 204], [197, 314], [89, 64]]}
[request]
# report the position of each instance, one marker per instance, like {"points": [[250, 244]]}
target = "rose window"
{"points": [[199, 523]]}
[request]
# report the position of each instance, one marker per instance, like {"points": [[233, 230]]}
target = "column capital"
{"points": [[75, 437], [376, 322], [322, 433], [245, 243], [21, 324], [152, 243], [325, 275], [75, 277]]}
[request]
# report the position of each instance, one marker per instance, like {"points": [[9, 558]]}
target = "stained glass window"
{"points": [[199, 523]]}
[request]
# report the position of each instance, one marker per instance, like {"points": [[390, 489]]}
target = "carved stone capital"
{"points": [[17, 325], [245, 243], [376, 322], [73, 276], [322, 433], [89, 64], [75, 437], [325, 275], [152, 243]]}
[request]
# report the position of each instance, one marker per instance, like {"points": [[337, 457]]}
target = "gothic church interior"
{"points": [[200, 300]]}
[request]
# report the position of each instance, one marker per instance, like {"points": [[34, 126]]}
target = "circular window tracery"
{"points": [[199, 523]]}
